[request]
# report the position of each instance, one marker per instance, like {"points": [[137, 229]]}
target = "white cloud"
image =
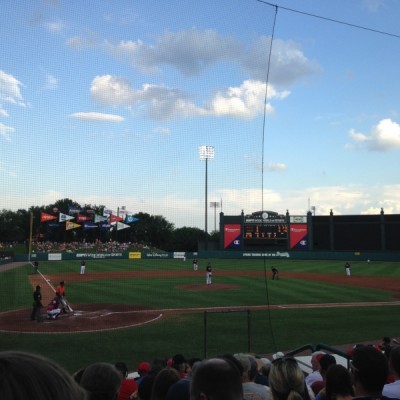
{"points": [[10, 89], [272, 166], [288, 62], [245, 101], [3, 112], [87, 40], [160, 102], [54, 26], [373, 5], [51, 82], [384, 136], [191, 51], [342, 200], [5, 132], [96, 117], [162, 130]]}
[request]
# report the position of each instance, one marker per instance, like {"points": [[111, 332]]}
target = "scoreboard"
{"points": [[265, 229]]}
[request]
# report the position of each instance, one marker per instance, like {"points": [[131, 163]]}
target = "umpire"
{"points": [[37, 305]]}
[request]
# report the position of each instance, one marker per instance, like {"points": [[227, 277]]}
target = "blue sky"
{"points": [[107, 102]]}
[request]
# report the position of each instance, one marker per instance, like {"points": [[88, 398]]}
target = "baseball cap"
{"points": [[144, 366], [277, 355]]}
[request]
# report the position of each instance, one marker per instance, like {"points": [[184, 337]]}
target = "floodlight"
{"points": [[206, 152]]}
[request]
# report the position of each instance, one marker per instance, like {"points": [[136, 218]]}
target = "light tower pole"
{"points": [[215, 205], [206, 153]]}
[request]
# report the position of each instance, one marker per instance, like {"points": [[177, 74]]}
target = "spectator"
{"points": [[216, 379], [180, 364], [324, 363], [29, 376], [264, 365], [128, 385], [286, 380], [369, 369], [386, 346], [251, 390], [315, 375], [181, 390], [145, 387], [163, 381], [143, 369], [102, 381], [393, 389], [338, 383], [146, 384]]}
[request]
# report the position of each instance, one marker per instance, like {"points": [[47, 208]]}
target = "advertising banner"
{"points": [[298, 237], [135, 254], [232, 236]]}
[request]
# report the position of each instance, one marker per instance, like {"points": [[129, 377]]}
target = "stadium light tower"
{"points": [[206, 153], [215, 205]]}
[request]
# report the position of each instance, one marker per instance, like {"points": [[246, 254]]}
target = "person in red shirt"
{"points": [[128, 385]]}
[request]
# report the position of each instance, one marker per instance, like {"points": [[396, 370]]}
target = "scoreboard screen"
{"points": [[267, 232]]}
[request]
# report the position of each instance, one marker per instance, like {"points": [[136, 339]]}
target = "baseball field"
{"points": [[134, 310]]}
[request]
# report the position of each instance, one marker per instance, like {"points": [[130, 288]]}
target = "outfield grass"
{"points": [[273, 330]]}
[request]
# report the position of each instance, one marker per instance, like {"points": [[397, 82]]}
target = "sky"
{"points": [[107, 103]]}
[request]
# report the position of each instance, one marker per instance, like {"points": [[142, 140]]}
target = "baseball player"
{"points": [[195, 265], [347, 268], [209, 274], [53, 309], [60, 294], [83, 267]]}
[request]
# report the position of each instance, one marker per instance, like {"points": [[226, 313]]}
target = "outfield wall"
{"points": [[188, 256]]}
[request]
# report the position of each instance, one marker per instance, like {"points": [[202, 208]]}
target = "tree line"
{"points": [[150, 230]]}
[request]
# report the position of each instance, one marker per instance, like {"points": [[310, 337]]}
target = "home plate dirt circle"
{"points": [[84, 318]]}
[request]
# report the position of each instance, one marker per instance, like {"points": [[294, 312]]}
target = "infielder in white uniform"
{"points": [[83, 267], [209, 274]]}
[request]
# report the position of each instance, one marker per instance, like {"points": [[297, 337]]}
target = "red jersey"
{"points": [[60, 290]]}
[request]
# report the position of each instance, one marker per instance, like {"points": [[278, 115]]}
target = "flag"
{"points": [[53, 225], [73, 210], [71, 225], [99, 218], [115, 218], [47, 217], [64, 217], [130, 218], [107, 212], [104, 226], [89, 225], [121, 226], [81, 218]]}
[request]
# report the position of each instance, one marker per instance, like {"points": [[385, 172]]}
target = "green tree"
{"points": [[153, 230], [13, 226], [187, 239]]}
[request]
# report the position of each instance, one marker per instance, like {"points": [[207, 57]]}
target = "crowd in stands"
{"points": [[47, 246], [97, 247], [372, 373]]}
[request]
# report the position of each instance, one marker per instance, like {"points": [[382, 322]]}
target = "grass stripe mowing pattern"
{"points": [[277, 330]]}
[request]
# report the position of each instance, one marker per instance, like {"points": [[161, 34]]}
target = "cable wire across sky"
{"points": [[331, 19]]}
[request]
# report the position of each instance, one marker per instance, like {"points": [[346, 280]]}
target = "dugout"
{"points": [[268, 230]]}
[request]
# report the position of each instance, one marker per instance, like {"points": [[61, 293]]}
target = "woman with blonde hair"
{"points": [[286, 380]]}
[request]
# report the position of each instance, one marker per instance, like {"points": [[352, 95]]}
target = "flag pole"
{"points": [[30, 235]]}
